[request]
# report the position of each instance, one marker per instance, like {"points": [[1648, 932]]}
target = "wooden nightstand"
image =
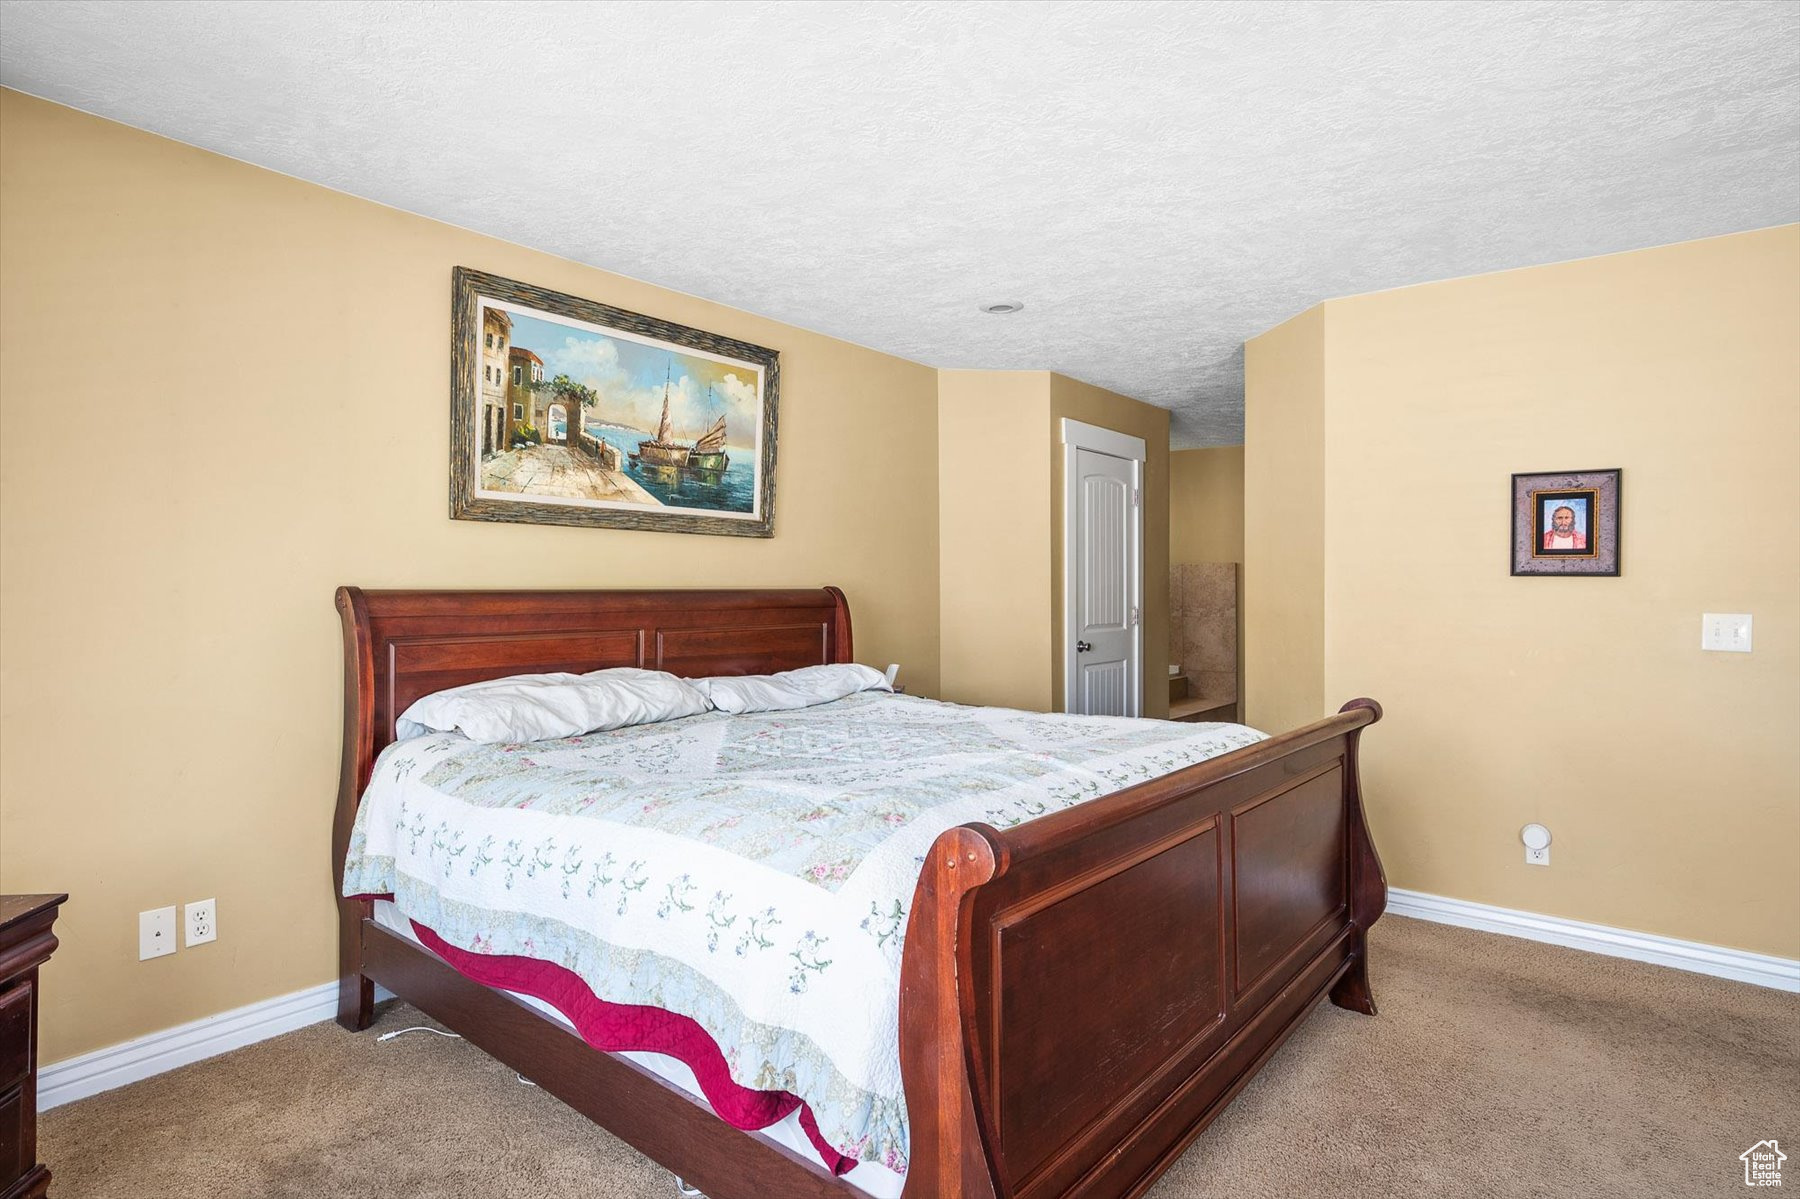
{"points": [[26, 943]]}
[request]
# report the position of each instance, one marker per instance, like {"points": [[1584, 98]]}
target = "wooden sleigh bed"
{"points": [[1081, 994]]}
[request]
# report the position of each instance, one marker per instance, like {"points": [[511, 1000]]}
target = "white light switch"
{"points": [[1728, 631]]}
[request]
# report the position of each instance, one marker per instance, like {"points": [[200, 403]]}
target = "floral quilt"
{"points": [[751, 872]]}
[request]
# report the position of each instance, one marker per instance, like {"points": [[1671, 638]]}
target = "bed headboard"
{"points": [[400, 645]]}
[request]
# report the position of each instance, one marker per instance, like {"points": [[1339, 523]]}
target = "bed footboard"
{"points": [[1082, 994]]}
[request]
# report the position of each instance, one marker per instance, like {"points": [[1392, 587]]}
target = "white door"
{"points": [[1104, 586]]}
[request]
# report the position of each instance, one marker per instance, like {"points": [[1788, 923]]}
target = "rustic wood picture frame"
{"points": [[1590, 500], [468, 502]]}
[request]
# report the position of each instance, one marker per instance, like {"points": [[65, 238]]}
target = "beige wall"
{"points": [[993, 527], [259, 369], [1283, 618], [1668, 776], [1206, 505], [1092, 405], [1000, 532]]}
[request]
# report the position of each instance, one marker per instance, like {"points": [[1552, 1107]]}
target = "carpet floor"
{"points": [[1497, 1067]]}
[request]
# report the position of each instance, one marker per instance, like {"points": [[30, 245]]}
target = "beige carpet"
{"points": [[1497, 1068]]}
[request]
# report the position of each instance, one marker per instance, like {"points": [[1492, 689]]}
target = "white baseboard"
{"points": [[104, 1069], [1764, 970], [132, 1061]]}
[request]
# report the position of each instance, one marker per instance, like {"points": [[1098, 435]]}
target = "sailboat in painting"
{"points": [[708, 457], [705, 458], [662, 451]]}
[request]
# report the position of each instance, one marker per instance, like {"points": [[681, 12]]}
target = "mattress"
{"points": [[750, 873]]}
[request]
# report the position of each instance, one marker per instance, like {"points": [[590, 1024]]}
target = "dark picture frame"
{"points": [[563, 429], [1566, 522]]}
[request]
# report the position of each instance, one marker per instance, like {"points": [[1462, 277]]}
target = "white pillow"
{"points": [[540, 707], [791, 688]]}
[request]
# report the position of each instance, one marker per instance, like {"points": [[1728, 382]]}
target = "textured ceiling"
{"points": [[1157, 182]]}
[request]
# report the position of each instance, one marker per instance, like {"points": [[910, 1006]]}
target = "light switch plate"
{"points": [[1725, 631], [156, 933]]}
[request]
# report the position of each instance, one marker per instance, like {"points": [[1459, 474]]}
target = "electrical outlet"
{"points": [[1537, 857], [156, 933], [202, 921]]}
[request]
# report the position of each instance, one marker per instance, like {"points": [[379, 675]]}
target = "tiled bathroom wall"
{"points": [[1203, 627]]}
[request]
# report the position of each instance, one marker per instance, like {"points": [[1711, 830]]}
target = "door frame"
{"points": [[1077, 436]]}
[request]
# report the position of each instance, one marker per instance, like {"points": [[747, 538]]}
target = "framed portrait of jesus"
{"points": [[1566, 523]]}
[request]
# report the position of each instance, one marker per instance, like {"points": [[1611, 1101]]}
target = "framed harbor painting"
{"points": [[1566, 523], [571, 412]]}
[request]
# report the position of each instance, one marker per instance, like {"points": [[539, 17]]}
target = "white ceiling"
{"points": [[1157, 182]]}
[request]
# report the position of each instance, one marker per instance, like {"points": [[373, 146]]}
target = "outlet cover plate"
{"points": [[202, 920], [156, 933]]}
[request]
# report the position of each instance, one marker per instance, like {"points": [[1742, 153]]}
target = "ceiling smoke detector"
{"points": [[1003, 308]]}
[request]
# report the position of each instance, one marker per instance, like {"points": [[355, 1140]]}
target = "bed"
{"points": [[1080, 993]]}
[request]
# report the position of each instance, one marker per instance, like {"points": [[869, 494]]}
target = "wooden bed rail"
{"points": [[1083, 993]]}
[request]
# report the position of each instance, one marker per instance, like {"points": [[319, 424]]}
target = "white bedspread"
{"points": [[751, 872]]}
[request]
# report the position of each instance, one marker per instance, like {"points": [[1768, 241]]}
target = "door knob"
{"points": [[1082, 647]]}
